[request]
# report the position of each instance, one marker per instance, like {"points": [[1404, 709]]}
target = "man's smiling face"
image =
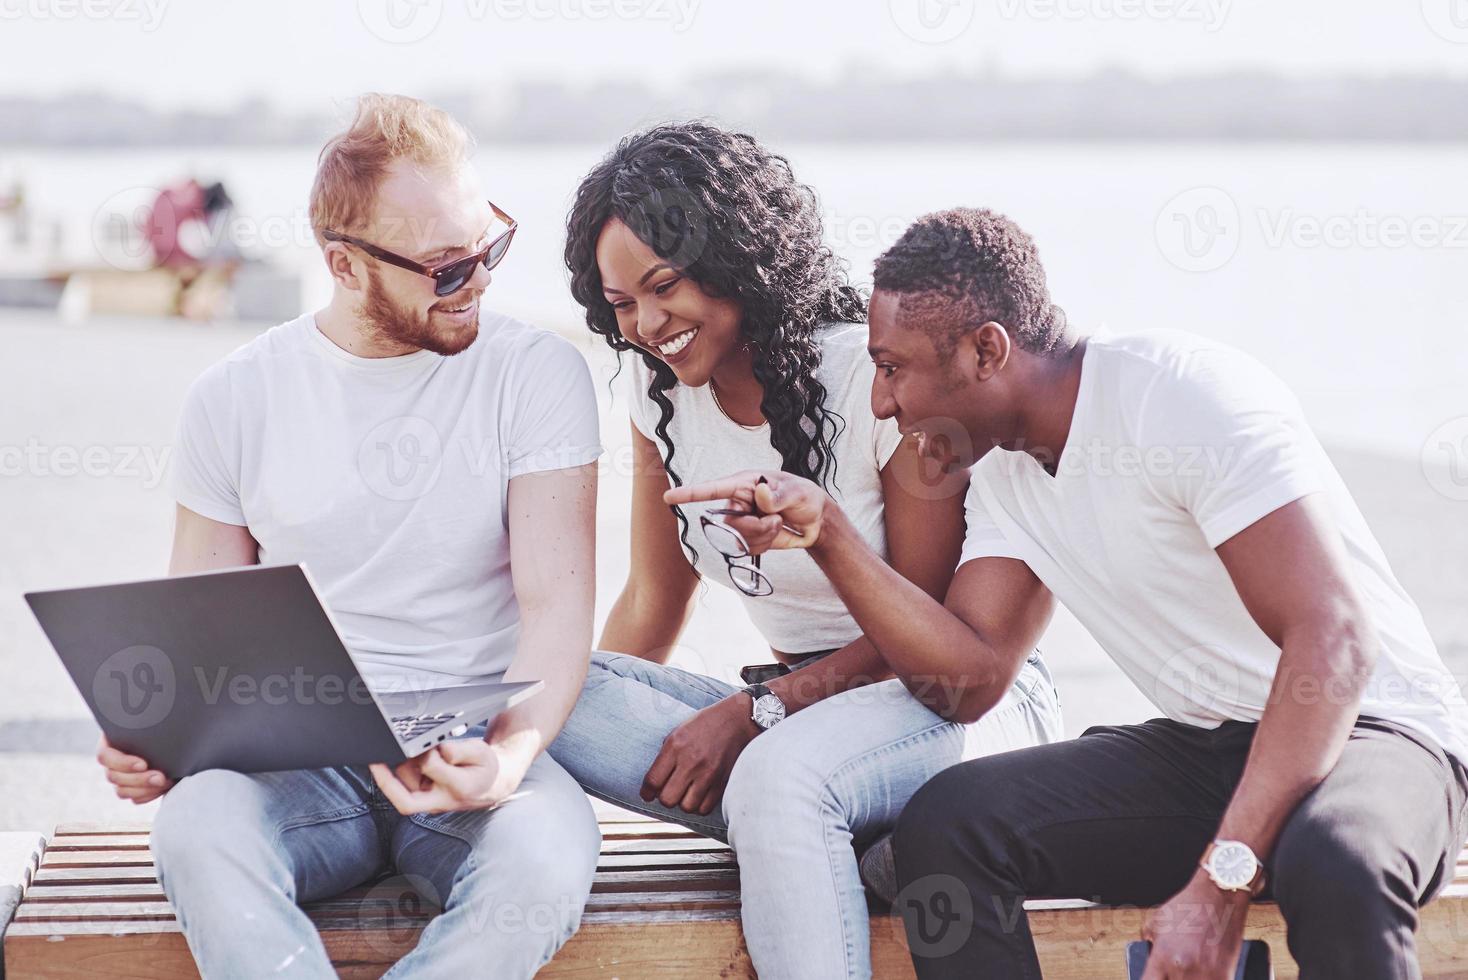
{"points": [[428, 215], [934, 392]]}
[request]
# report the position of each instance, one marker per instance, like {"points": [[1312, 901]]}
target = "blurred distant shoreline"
{"points": [[858, 107]]}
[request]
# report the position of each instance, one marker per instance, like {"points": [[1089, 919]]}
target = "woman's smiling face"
{"points": [[661, 310]]}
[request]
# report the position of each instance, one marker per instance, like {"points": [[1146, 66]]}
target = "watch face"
{"points": [[1233, 865], [768, 710]]}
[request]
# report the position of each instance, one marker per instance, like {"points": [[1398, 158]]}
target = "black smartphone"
{"points": [[762, 673], [1253, 960]]}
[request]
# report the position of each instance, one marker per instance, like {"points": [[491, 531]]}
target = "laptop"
{"points": [[243, 669]]}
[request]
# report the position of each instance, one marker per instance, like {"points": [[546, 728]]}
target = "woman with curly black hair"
{"points": [[696, 250]]}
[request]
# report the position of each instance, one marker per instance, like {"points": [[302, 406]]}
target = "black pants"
{"points": [[1121, 815]]}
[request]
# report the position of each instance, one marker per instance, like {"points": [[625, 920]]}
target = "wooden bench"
{"points": [[665, 904]]}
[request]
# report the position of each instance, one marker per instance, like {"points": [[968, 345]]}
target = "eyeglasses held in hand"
{"points": [[450, 275], [743, 567]]}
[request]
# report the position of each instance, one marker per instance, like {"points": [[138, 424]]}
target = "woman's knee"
{"points": [[770, 784]]}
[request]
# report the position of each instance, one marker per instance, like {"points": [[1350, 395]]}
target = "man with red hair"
{"points": [[435, 466]]}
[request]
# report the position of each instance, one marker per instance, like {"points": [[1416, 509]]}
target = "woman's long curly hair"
{"points": [[729, 214]]}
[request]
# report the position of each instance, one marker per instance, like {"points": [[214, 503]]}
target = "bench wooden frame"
{"points": [[665, 904]]}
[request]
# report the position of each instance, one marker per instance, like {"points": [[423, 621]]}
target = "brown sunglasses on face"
{"points": [[450, 275]]}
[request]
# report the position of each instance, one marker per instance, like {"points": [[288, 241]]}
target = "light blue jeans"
{"points": [[235, 854], [803, 796]]}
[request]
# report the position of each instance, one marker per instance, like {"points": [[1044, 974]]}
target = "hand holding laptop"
{"points": [[464, 774], [131, 776], [456, 775]]}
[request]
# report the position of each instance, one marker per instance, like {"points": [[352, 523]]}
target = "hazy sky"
{"points": [[303, 53]]}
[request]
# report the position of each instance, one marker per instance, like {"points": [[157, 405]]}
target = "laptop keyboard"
{"points": [[409, 727]]}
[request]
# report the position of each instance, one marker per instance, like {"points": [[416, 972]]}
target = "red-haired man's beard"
{"points": [[432, 330]]}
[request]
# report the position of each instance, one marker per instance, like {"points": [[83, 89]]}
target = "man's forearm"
{"points": [[1313, 704], [942, 661], [556, 650], [854, 665]]}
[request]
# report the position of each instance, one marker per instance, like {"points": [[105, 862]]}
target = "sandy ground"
{"points": [[117, 385]]}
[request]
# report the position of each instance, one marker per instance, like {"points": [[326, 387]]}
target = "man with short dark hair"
{"points": [[1167, 490]]}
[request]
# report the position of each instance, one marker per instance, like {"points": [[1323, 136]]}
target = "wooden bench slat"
{"points": [[102, 876], [97, 859], [60, 911], [19, 929], [620, 831], [691, 898], [649, 839], [641, 845], [141, 892], [614, 881], [98, 842], [110, 827], [688, 859], [112, 862]]}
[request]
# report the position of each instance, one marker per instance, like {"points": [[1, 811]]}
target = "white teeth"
{"points": [[677, 343]]}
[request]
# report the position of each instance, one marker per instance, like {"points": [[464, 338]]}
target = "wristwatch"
{"points": [[1233, 867], [769, 710]]}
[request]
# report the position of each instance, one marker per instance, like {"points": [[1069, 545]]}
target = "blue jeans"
{"points": [[235, 854], [802, 796]]}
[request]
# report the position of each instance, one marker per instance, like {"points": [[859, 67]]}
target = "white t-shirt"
{"points": [[804, 614], [1176, 445], [388, 478]]}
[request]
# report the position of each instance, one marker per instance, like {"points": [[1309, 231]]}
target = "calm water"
{"points": [[1345, 267]]}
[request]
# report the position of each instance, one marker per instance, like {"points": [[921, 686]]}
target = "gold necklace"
{"points": [[713, 390]]}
